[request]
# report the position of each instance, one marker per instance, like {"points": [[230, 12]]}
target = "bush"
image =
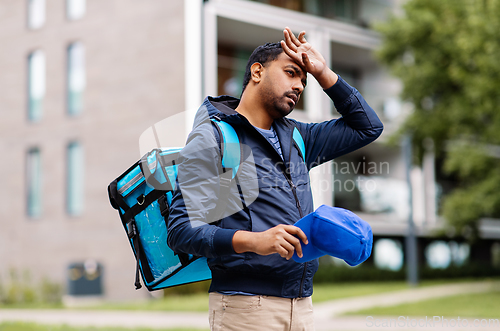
{"points": [[328, 273], [50, 292], [20, 290]]}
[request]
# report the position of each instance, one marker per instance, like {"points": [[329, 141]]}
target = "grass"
{"points": [[480, 305], [32, 305], [21, 326], [184, 302], [325, 292]]}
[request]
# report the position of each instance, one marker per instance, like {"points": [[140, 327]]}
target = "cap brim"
{"points": [[309, 252]]}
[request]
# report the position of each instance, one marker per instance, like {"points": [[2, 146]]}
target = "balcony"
{"points": [[358, 12]]}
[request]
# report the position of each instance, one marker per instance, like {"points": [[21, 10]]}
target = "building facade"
{"points": [[77, 92]]}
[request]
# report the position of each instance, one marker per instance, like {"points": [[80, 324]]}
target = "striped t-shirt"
{"points": [[272, 137]]}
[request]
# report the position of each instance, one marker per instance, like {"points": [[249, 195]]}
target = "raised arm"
{"points": [[359, 124]]}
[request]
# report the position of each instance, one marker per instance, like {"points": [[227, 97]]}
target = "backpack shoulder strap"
{"points": [[297, 138], [230, 146], [231, 158]]}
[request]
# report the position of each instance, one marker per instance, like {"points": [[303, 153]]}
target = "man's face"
{"points": [[282, 84]]}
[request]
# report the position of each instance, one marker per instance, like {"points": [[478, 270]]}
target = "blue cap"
{"points": [[337, 232]]}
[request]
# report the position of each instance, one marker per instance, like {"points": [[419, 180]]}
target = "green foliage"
{"points": [[13, 293], [19, 290], [330, 273], [446, 54], [50, 292]]}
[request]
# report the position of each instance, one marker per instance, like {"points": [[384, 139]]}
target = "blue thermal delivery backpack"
{"points": [[143, 194]]}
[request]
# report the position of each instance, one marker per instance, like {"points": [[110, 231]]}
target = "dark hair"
{"points": [[262, 54]]}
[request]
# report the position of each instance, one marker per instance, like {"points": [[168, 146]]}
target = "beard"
{"points": [[278, 106]]}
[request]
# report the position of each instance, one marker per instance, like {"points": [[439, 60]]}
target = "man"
{"points": [[255, 283]]}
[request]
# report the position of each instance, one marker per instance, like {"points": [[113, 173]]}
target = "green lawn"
{"points": [[481, 305], [186, 302], [18, 326], [325, 292]]}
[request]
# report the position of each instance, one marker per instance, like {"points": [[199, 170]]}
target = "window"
{"points": [[36, 85], [75, 179], [76, 78], [231, 69], [75, 9], [346, 10], [36, 14], [34, 182]]}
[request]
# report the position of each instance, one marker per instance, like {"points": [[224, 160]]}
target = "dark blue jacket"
{"points": [[282, 197]]}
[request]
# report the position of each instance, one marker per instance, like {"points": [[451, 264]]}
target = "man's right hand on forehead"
{"points": [[305, 55]]}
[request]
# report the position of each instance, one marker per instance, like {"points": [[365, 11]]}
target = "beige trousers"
{"points": [[259, 313]]}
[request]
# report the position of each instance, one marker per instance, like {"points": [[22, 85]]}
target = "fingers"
{"points": [[301, 38], [292, 233], [290, 53], [286, 250], [290, 34], [281, 239], [288, 40], [296, 231], [307, 63], [294, 42], [296, 245], [292, 46]]}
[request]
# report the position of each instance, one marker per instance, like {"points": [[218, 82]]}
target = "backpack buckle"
{"points": [[226, 179], [131, 229]]}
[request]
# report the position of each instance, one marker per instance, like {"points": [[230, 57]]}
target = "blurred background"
{"points": [[80, 80]]}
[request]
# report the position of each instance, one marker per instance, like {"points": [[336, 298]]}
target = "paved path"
{"points": [[341, 306], [360, 323], [129, 319], [326, 314]]}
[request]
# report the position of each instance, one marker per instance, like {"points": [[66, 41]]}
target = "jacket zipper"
{"points": [[299, 207], [297, 203], [294, 191]]}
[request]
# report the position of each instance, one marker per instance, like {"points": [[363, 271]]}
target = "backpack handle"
{"points": [[148, 174]]}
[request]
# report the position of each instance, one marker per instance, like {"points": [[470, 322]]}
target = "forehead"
{"points": [[284, 60]]}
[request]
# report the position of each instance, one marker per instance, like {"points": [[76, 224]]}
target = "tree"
{"points": [[447, 54]]}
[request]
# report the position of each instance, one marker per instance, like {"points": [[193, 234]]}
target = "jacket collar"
{"points": [[224, 107]]}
